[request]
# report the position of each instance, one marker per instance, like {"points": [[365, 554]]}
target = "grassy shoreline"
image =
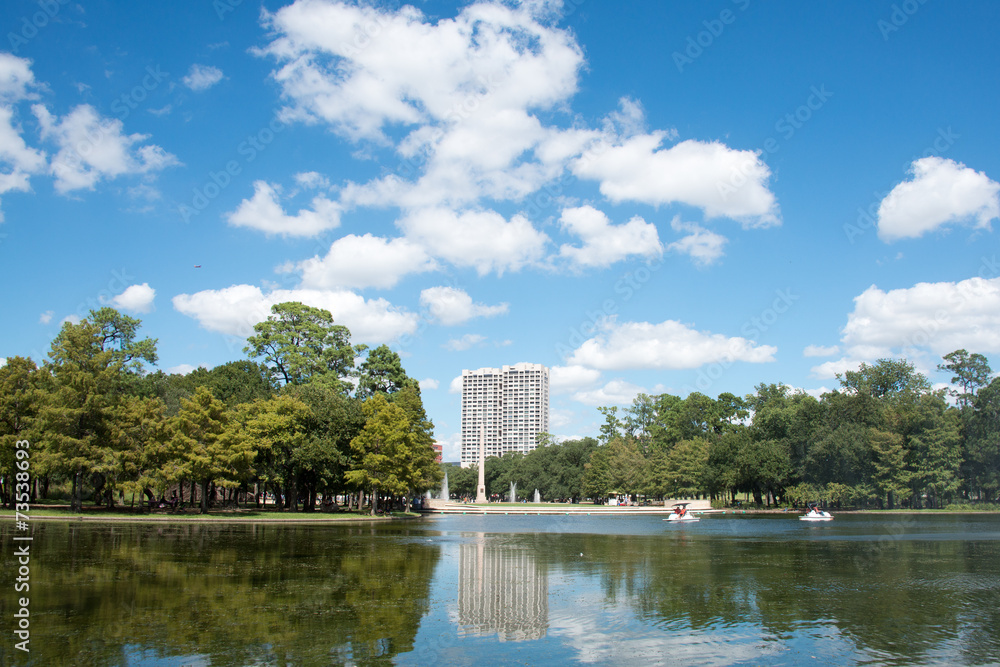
{"points": [[98, 514]]}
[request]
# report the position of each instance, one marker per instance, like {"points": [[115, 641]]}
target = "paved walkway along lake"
{"points": [[516, 589]]}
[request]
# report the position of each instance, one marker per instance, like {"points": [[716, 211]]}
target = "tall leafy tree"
{"points": [[300, 343], [138, 459], [685, 468], [616, 467], [612, 426], [984, 442], [890, 476], [886, 379], [571, 459], [279, 431], [382, 372], [199, 440], [86, 381], [639, 419], [382, 450], [334, 420], [118, 334], [969, 371], [241, 381], [20, 401], [425, 473]]}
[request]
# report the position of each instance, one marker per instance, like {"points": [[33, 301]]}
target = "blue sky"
{"points": [[645, 197]]}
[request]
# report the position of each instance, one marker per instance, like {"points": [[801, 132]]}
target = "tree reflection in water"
{"points": [[269, 594]]}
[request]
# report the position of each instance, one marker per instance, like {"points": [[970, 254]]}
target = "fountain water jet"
{"points": [[445, 495]]}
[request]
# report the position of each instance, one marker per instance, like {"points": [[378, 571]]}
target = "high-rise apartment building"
{"points": [[511, 404]]}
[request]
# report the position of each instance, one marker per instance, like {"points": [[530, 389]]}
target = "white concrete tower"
{"points": [[511, 404]]}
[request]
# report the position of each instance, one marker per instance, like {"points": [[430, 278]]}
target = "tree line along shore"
{"points": [[309, 417], [884, 439]]}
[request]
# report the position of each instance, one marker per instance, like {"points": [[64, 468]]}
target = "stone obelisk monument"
{"points": [[481, 488]]}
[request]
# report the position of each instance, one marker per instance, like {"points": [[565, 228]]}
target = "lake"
{"points": [[503, 590]]}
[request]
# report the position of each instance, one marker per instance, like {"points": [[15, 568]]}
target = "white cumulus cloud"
{"points": [[722, 181], [202, 77], [702, 245], [263, 212], [604, 243], [941, 192], [92, 148], [353, 66], [564, 379], [666, 345], [942, 317], [234, 310], [922, 322], [137, 298], [464, 343], [451, 306], [365, 261], [483, 240], [615, 392]]}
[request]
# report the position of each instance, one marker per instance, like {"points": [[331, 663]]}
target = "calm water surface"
{"points": [[514, 590]]}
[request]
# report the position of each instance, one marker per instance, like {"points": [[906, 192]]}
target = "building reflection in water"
{"points": [[501, 591]]}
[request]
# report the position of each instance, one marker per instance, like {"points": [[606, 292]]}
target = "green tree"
{"points": [[598, 481], [501, 471], [20, 401], [612, 427], [300, 343], [86, 381], [117, 334], [334, 420], [424, 471], [984, 442], [890, 476], [617, 467], [686, 468], [639, 420], [571, 459], [205, 450], [723, 475], [764, 467], [969, 371], [277, 431], [886, 379], [462, 481], [933, 438], [236, 382], [382, 450], [138, 459], [382, 371]]}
